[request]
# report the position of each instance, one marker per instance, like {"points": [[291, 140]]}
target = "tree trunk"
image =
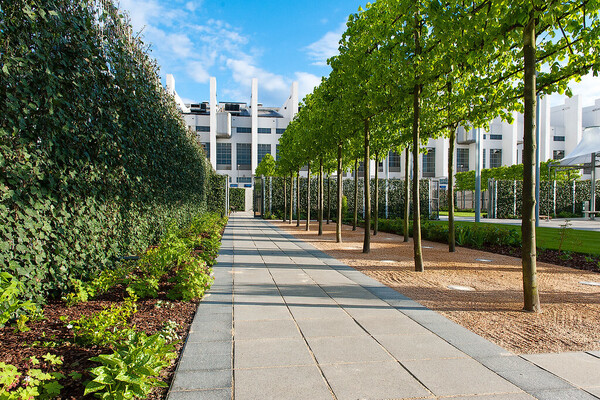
{"points": [[367, 187], [418, 255], [308, 199], [376, 199], [528, 250], [355, 195], [284, 200], [328, 196], [406, 192], [291, 198], [320, 196], [298, 199], [340, 193]]}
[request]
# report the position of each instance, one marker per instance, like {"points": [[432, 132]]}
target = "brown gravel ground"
{"points": [[570, 315]]}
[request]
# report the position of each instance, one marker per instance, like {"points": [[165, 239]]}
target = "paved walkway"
{"points": [[286, 321]]}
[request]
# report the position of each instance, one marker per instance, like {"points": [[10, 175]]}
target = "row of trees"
{"points": [[411, 70]]}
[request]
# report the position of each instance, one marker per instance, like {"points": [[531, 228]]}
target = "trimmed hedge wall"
{"points": [[95, 160], [237, 199]]}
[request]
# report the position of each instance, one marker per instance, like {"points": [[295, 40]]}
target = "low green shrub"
{"points": [[133, 369], [33, 384], [107, 327], [192, 280], [12, 308]]}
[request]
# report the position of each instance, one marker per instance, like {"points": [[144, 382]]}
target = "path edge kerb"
{"points": [[529, 377]]}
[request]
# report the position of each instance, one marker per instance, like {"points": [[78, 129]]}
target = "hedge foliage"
{"points": [[237, 199], [395, 196], [95, 160]]}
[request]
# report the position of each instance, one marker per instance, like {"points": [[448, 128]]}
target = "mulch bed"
{"points": [[51, 335]]}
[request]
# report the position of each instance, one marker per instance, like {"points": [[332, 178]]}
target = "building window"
{"points": [[429, 163], [223, 155], [202, 128], [558, 154], [279, 131], [244, 156], [277, 152], [244, 179], [263, 150], [394, 161], [206, 148], [361, 168], [380, 166], [495, 158], [264, 130], [240, 129], [462, 160], [559, 138], [495, 137]]}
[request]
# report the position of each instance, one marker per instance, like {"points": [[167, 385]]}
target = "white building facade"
{"points": [[235, 135]]}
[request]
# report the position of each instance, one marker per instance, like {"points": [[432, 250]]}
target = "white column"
{"points": [[254, 109], [213, 122], [573, 123], [545, 130]]}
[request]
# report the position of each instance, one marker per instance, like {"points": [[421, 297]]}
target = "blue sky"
{"points": [[235, 41]]}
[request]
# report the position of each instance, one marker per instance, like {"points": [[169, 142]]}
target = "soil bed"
{"points": [[570, 310], [51, 335]]}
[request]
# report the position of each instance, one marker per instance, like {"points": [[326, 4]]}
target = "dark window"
{"points": [[495, 137], [558, 154], [206, 148], [462, 160], [483, 152], [277, 152], [361, 168], [244, 179], [380, 166], [279, 130], [264, 130], [223, 155], [495, 158], [429, 163], [263, 150], [395, 161], [232, 107], [484, 136], [202, 128], [240, 129], [559, 138], [244, 156]]}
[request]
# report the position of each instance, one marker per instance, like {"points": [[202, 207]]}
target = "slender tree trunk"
{"points": [[406, 192], [528, 250], [328, 196], [451, 230], [298, 199], [340, 194], [418, 255], [320, 196], [367, 187], [355, 195], [308, 199], [376, 200], [284, 199], [291, 198]]}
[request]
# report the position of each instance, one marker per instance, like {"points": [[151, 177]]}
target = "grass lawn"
{"points": [[462, 213], [587, 242]]}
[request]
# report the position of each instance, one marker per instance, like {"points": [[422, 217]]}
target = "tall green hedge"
{"points": [[216, 199], [95, 160], [237, 199]]}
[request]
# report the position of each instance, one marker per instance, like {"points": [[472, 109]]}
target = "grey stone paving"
{"points": [[286, 321]]}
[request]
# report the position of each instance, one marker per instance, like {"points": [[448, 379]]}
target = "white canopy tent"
{"points": [[587, 152]]}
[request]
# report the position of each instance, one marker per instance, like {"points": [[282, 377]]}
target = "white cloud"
{"points": [[588, 89], [192, 6], [306, 83], [198, 72], [325, 47], [243, 71]]}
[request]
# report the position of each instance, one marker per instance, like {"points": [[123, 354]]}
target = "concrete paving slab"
{"points": [[215, 394], [464, 376], [206, 356], [397, 325], [379, 380], [509, 396], [291, 383], [418, 347], [594, 353], [579, 368], [594, 391], [330, 327], [316, 311], [266, 329], [563, 394], [202, 380], [271, 353], [259, 312], [329, 350]]}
